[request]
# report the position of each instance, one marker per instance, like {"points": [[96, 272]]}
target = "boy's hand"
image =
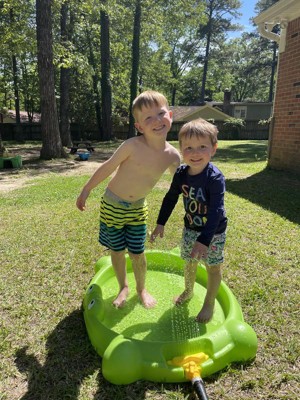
{"points": [[159, 230], [80, 202], [199, 251]]}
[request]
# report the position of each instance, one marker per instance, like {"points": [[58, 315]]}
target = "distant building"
{"points": [[10, 117], [220, 111], [188, 113]]}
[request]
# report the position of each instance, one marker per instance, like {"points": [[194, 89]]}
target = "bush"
{"points": [[233, 127]]}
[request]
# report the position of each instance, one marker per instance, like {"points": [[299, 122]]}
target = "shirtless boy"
{"points": [[138, 164]]}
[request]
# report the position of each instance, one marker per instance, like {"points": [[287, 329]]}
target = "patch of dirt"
{"points": [[33, 167]]}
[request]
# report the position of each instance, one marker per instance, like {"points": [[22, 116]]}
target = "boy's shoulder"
{"points": [[213, 170], [133, 142], [182, 169], [172, 149], [211, 166]]}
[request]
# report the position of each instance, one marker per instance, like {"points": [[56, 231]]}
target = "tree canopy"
{"points": [[106, 52]]}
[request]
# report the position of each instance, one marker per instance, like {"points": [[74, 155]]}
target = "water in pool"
{"points": [[165, 322]]}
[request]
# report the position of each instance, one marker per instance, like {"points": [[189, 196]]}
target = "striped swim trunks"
{"points": [[123, 223]]}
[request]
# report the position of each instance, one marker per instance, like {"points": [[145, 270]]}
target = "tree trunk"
{"points": [[135, 63], [16, 90], [51, 142], [105, 78], [205, 66], [18, 135], [95, 84], [65, 131]]}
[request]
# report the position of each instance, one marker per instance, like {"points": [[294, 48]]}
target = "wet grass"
{"points": [[48, 250]]}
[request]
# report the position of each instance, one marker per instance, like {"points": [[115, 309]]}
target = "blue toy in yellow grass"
{"points": [[163, 344]]}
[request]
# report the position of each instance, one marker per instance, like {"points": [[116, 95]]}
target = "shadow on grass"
{"points": [[70, 360], [243, 152], [276, 191], [32, 165]]}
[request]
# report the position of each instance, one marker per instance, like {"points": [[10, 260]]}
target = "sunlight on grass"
{"points": [[48, 250]]}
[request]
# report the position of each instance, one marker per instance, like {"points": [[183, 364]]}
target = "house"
{"points": [[10, 130], [250, 112], [284, 139], [9, 117], [188, 113]]}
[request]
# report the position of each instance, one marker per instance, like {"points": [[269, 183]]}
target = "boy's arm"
{"points": [[215, 211], [105, 170], [158, 231], [173, 167], [169, 201], [199, 251]]}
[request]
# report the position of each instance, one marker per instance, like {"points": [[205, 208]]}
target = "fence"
{"points": [[32, 132]]}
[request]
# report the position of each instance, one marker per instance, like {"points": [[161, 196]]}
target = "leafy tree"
{"points": [[135, 62], [219, 14], [16, 32], [105, 77], [65, 29]]}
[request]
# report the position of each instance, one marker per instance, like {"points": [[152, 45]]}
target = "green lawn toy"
{"points": [[153, 344]]}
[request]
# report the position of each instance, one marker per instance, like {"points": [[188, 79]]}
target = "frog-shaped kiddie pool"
{"points": [[137, 343]]}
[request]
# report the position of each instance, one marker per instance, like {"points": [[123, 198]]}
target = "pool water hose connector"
{"points": [[192, 370]]}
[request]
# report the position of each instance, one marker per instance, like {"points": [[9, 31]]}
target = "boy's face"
{"points": [[197, 152], [154, 120]]}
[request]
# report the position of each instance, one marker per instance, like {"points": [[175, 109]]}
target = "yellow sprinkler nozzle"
{"points": [[190, 364]]}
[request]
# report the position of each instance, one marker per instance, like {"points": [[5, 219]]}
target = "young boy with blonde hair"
{"points": [[138, 164], [202, 186]]}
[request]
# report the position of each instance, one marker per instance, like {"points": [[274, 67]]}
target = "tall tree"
{"points": [[96, 80], [219, 14], [51, 142], [181, 43], [135, 62], [261, 6], [64, 109], [106, 92]]}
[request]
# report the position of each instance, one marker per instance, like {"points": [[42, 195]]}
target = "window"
{"points": [[240, 112]]}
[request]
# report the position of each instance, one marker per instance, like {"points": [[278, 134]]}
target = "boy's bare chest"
{"points": [[151, 161]]}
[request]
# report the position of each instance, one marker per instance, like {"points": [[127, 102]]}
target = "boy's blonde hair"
{"points": [[147, 99], [200, 128]]}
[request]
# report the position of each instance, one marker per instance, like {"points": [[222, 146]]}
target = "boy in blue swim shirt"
{"points": [[202, 186]]}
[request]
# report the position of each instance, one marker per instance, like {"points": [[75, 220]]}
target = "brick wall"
{"points": [[284, 149]]}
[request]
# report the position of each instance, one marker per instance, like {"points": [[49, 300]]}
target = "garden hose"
{"points": [[199, 388]]}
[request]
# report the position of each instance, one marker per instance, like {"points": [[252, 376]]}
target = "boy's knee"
{"points": [[134, 256], [117, 254], [213, 269]]}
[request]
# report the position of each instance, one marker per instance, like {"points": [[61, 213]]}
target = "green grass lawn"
{"points": [[48, 250]]}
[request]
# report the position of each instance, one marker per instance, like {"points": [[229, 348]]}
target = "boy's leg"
{"points": [[190, 271], [139, 266], [214, 277], [119, 263]]}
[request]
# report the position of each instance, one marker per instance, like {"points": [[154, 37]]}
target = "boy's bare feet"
{"points": [[206, 313], [185, 296], [147, 300], [120, 300]]}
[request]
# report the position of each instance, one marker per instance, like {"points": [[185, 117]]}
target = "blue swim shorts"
{"points": [[123, 223], [215, 255]]}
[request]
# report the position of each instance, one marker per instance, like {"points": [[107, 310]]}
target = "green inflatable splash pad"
{"points": [[137, 343]]}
